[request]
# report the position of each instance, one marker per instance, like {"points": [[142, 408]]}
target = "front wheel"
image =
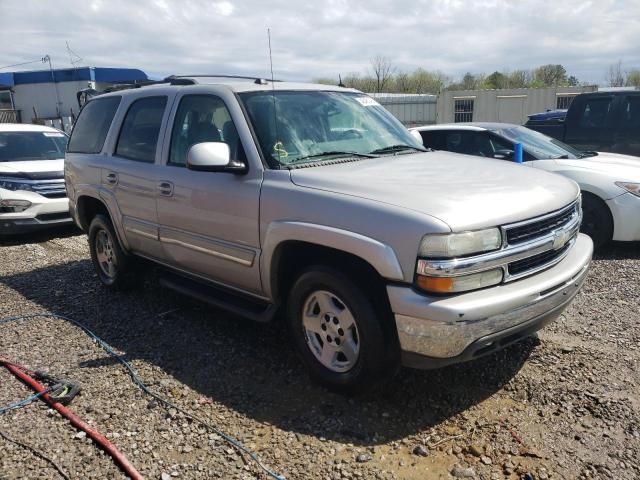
{"points": [[340, 332], [597, 221]]}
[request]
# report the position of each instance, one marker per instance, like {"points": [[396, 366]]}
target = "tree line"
{"points": [[383, 76]]}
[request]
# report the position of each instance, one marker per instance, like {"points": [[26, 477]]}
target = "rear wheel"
{"points": [[112, 265], [339, 333], [597, 221]]}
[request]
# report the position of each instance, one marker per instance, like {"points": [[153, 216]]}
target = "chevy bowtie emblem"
{"points": [[559, 239]]}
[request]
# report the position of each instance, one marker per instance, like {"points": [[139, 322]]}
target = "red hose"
{"points": [[100, 439]]}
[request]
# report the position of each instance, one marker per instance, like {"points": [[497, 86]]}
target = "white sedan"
{"points": [[32, 190], [610, 182]]}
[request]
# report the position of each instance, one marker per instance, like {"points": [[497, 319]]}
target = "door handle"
{"points": [[112, 178], [165, 188]]}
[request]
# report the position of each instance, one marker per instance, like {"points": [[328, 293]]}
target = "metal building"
{"points": [[49, 96], [505, 105], [412, 109]]}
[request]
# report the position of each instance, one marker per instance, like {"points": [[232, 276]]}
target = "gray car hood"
{"points": [[463, 191]]}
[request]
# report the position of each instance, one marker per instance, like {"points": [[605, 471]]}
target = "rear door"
{"points": [[590, 122], [131, 172], [209, 221], [627, 135]]}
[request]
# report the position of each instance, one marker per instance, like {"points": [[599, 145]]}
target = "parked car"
{"points": [[548, 123], [313, 200], [600, 121], [32, 191], [610, 183]]}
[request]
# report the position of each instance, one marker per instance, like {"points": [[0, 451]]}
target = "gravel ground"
{"points": [[564, 405]]}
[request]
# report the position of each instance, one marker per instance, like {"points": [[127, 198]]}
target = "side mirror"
{"points": [[504, 154], [212, 157]]}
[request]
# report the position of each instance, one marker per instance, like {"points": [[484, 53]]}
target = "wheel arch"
{"points": [[88, 206], [290, 246]]}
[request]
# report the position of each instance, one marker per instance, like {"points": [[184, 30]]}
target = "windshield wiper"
{"points": [[334, 153], [561, 157], [587, 154], [398, 148]]}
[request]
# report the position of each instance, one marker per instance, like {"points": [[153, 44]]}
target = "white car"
{"points": [[32, 190], [610, 183]]}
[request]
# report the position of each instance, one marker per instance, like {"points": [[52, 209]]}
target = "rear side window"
{"points": [[92, 125], [140, 129], [596, 112]]}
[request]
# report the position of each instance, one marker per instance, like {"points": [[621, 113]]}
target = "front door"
{"points": [[209, 221]]}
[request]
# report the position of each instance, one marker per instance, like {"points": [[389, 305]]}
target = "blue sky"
{"points": [[322, 39]]}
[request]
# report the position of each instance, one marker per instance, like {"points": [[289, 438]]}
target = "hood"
{"points": [[626, 167], [34, 169], [463, 191]]}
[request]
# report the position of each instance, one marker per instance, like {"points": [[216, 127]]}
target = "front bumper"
{"points": [[437, 331], [625, 209], [43, 213]]}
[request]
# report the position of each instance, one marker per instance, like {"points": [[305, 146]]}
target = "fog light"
{"points": [[14, 206], [459, 284]]}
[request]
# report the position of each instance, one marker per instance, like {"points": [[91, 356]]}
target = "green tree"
{"points": [[633, 78], [495, 80], [550, 75]]}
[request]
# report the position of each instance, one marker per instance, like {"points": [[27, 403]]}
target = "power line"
{"points": [[20, 64]]}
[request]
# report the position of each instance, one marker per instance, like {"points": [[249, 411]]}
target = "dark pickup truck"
{"points": [[598, 121]]}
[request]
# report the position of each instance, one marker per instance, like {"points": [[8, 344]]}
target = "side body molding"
{"points": [[380, 256]]}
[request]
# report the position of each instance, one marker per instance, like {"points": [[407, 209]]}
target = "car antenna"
{"points": [[340, 84], [276, 146]]}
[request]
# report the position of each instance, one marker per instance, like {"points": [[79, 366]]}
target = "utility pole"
{"points": [[45, 59]]}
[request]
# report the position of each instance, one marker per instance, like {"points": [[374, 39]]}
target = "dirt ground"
{"points": [[563, 405]]}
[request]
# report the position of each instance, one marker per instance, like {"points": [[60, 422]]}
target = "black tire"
{"points": [[597, 221], [378, 355], [118, 274]]}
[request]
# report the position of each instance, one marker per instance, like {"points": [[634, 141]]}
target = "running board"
{"points": [[220, 297]]}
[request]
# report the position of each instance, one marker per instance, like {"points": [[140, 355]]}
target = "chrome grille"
{"points": [[530, 230], [50, 188], [537, 261]]}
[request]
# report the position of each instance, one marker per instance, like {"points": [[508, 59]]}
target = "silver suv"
{"points": [[313, 201]]}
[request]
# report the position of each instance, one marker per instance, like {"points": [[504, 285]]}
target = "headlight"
{"points": [[458, 244], [14, 184], [633, 188], [14, 206], [462, 283]]}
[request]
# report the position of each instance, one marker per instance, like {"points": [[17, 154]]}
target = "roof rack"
{"points": [[190, 79]]}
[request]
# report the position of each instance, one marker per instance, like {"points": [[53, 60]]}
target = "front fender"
{"points": [[380, 256]]}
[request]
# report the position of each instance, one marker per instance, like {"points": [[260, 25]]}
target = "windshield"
{"points": [[310, 126], [538, 145], [21, 146]]}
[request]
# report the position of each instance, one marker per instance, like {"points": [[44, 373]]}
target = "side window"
{"points": [[92, 125], [140, 129], [433, 139], [202, 118], [595, 113], [631, 114], [499, 144], [455, 142]]}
